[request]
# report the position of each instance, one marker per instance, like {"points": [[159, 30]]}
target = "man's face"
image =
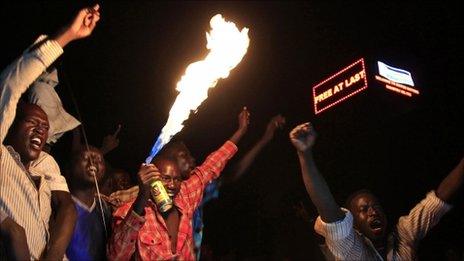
{"points": [[369, 217], [30, 132], [185, 161], [121, 180], [170, 176], [87, 164]]}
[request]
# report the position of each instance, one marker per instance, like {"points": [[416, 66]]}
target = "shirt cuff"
{"points": [[58, 187], [335, 230], [134, 221], [48, 51], [230, 147]]}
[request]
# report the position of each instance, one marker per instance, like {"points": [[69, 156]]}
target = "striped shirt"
{"points": [[29, 206], [23, 202], [46, 165], [345, 243], [147, 238]]}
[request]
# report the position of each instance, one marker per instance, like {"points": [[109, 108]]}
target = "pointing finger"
{"points": [[117, 131]]}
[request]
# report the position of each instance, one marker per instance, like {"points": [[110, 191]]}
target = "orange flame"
{"points": [[227, 47]]}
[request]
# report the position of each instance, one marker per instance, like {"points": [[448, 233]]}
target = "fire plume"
{"points": [[227, 46]]}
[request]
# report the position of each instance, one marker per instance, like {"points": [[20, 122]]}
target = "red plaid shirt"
{"points": [[146, 238]]}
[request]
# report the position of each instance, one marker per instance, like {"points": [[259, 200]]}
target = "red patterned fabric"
{"points": [[147, 238]]}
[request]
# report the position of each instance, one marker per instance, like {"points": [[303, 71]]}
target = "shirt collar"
{"points": [[17, 158], [369, 244], [83, 205]]}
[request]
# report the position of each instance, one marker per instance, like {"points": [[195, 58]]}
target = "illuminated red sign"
{"points": [[340, 86]]}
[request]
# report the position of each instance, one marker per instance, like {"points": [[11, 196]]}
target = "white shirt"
{"points": [[20, 199], [345, 243], [23, 202], [46, 165]]}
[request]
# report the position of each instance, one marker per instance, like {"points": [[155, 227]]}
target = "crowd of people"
{"points": [[93, 211]]}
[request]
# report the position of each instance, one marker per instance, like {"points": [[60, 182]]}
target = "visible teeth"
{"points": [[377, 230], [36, 141]]}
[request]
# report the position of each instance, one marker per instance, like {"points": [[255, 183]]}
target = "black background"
{"points": [[399, 147]]}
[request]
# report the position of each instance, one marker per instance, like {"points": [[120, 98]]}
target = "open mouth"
{"points": [[36, 143], [170, 193], [376, 226]]}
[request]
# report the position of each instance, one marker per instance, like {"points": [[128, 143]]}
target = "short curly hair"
{"points": [[355, 194]]}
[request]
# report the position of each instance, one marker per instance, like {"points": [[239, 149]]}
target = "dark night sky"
{"points": [[398, 147]]}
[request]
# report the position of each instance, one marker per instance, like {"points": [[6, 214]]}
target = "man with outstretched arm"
{"points": [[142, 232], [25, 198], [359, 231]]}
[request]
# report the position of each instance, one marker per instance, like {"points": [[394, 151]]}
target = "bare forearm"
{"points": [[19, 75], [19, 249], [140, 202], [452, 183], [61, 231], [14, 240], [247, 160], [63, 37], [318, 189], [237, 136]]}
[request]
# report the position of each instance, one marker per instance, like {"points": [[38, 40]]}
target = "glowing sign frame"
{"points": [[344, 97]]}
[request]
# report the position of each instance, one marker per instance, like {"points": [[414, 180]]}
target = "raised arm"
{"points": [[110, 141], [243, 121], [426, 214], [81, 26], [212, 167], [303, 137], [451, 183], [192, 189], [20, 74], [146, 175], [16, 78], [277, 122]]}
